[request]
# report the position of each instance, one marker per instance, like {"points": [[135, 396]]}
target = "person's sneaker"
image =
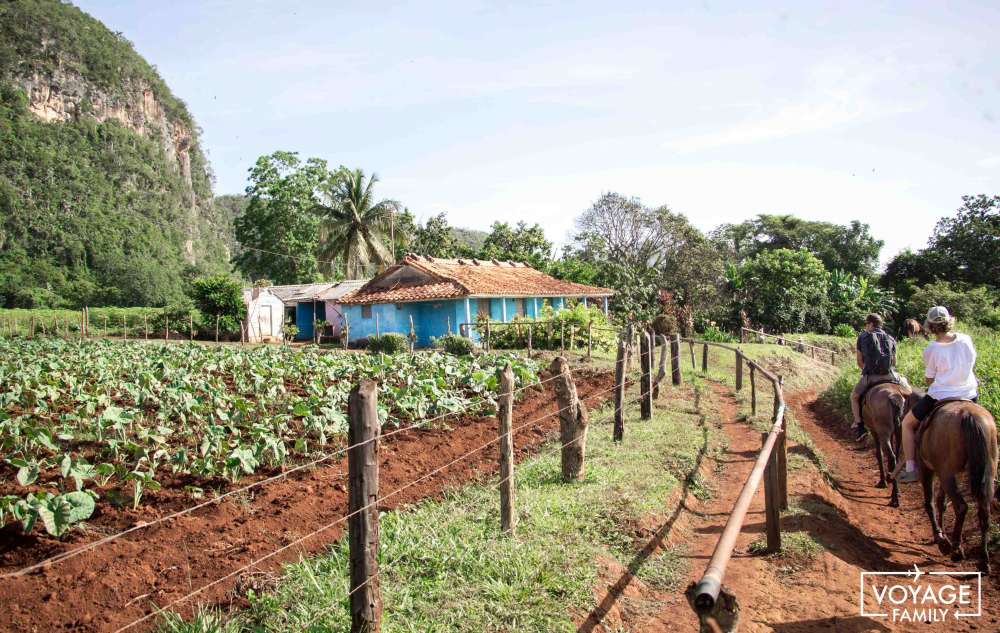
{"points": [[907, 477], [859, 431]]}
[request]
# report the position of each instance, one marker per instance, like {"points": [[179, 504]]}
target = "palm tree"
{"points": [[354, 228]]}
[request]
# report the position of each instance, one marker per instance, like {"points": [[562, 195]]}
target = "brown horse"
{"points": [[960, 436], [882, 410], [911, 328]]}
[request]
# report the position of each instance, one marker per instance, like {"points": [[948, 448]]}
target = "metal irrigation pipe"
{"points": [[707, 589]]}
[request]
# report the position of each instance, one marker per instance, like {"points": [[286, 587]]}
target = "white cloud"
{"points": [[990, 162], [836, 94]]}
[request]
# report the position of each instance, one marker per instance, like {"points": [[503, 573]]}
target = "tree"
{"points": [[278, 230], [852, 298], [355, 227], [784, 290], [435, 238], [972, 304], [620, 229], [967, 244], [850, 247], [220, 296], [639, 250], [520, 244]]}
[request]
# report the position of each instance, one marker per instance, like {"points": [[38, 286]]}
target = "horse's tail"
{"points": [[897, 403], [979, 462]]}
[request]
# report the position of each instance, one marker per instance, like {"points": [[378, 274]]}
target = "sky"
{"points": [[883, 112]]}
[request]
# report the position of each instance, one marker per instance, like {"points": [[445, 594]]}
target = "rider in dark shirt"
{"points": [[873, 346]]}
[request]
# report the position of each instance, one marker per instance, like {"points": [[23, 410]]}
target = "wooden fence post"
{"points": [[621, 360], [691, 348], [190, 327], [216, 328], [363, 529], [145, 326], [347, 332], [646, 382], [833, 357], [572, 421], [782, 448], [377, 329], [572, 337], [743, 334], [590, 339], [704, 358], [739, 370], [562, 337], [753, 391], [530, 328], [125, 327], [489, 336], [772, 511], [629, 340], [661, 373], [675, 359], [413, 335], [505, 412]]}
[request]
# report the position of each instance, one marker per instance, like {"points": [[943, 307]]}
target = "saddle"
{"points": [[926, 422], [864, 394]]}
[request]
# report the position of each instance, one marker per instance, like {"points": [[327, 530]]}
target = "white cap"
{"points": [[938, 314]]}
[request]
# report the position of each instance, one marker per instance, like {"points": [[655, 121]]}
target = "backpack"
{"points": [[884, 348]]}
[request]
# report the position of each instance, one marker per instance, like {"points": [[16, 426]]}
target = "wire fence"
{"points": [[769, 468]]}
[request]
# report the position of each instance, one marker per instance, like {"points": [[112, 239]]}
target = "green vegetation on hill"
{"points": [[93, 212], [44, 36]]}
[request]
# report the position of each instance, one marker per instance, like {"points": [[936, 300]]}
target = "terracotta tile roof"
{"points": [[451, 278]]}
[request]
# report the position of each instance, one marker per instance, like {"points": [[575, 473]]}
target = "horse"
{"points": [[960, 435], [911, 328], [882, 410]]}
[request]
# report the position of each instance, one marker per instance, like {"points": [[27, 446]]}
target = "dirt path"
{"points": [[849, 520], [117, 583]]}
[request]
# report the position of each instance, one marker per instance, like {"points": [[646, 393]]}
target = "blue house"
{"points": [[440, 295]]}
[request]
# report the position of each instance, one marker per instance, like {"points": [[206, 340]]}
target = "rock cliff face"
{"points": [[64, 96], [101, 153]]}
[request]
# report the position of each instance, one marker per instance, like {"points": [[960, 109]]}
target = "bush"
{"points": [[454, 344], [970, 304], [714, 334], [222, 296], [844, 330], [391, 343], [665, 324], [569, 326]]}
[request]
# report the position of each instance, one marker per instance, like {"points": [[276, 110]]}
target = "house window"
{"points": [[483, 308], [366, 312], [520, 306]]}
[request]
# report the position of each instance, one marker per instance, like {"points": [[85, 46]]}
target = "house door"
{"points": [[264, 320]]}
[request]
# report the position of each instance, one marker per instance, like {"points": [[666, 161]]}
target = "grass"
{"points": [[445, 567], [798, 551]]}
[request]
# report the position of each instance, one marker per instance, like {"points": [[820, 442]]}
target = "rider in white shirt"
{"points": [[948, 360]]}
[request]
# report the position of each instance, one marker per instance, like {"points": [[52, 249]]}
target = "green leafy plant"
{"points": [[391, 343], [844, 331], [455, 344]]}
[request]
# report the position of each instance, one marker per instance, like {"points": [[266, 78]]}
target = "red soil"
{"points": [[854, 526], [119, 582]]}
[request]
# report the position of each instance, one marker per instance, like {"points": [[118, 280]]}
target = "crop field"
{"points": [[85, 422]]}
